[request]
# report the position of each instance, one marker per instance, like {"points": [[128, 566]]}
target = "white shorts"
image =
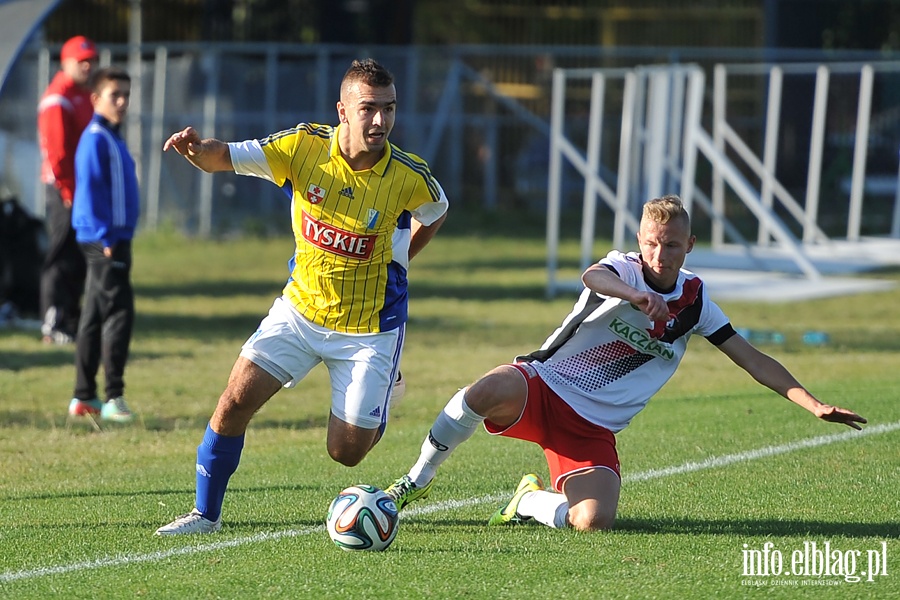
{"points": [[362, 366]]}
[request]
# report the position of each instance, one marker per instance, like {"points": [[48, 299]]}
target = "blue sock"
{"points": [[217, 459]]}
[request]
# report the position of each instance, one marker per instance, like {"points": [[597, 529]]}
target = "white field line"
{"points": [[689, 467], [728, 459]]}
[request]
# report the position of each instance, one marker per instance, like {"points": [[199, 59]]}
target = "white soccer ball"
{"points": [[362, 517]]}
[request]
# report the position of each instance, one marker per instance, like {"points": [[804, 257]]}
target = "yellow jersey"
{"points": [[344, 274]]}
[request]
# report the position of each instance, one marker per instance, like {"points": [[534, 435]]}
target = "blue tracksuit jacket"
{"points": [[106, 204]]}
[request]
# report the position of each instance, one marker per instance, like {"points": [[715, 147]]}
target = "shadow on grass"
{"points": [[254, 526], [489, 263], [217, 289], [424, 286], [485, 292], [235, 490], [217, 328], [22, 360], [756, 527], [419, 287], [82, 425], [198, 423], [761, 528], [229, 527], [841, 342]]}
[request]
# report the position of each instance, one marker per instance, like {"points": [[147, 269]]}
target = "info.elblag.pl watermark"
{"points": [[813, 564]]}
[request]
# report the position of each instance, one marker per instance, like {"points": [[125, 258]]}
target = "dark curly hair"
{"points": [[367, 71]]}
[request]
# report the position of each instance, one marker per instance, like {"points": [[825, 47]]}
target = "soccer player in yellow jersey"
{"points": [[360, 209]]}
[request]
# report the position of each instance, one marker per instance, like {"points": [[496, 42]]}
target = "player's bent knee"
{"points": [[348, 444], [499, 395], [346, 453], [589, 520], [349, 457]]}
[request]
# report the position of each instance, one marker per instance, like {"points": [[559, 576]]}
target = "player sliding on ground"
{"points": [[623, 340]]}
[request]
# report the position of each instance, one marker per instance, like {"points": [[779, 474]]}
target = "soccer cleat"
{"points": [[81, 408], [403, 491], [116, 410], [507, 513], [193, 522]]}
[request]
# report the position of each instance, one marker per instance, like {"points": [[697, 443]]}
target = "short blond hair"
{"points": [[664, 209]]}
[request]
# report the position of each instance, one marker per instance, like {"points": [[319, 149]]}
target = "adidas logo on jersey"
{"points": [[347, 192], [376, 412]]}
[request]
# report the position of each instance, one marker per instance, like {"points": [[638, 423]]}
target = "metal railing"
{"points": [[481, 116], [658, 123]]}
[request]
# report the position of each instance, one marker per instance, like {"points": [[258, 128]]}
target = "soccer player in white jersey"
{"points": [[360, 209], [620, 344]]}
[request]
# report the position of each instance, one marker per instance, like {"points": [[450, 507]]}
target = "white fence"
{"points": [[481, 116], [657, 118]]}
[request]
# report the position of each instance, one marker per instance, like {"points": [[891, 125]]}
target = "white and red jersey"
{"points": [[608, 358]]}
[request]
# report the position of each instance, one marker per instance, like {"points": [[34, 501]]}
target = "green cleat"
{"points": [[403, 491], [507, 513], [116, 410]]}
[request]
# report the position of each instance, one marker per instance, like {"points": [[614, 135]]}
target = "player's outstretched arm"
{"points": [[772, 374], [208, 155], [836, 414]]}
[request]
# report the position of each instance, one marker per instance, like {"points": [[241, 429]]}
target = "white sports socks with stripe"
{"points": [[456, 423], [549, 508]]}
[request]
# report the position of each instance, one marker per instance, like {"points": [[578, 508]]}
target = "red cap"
{"points": [[80, 48]]}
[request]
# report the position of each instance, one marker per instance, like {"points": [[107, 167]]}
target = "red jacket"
{"points": [[63, 113]]}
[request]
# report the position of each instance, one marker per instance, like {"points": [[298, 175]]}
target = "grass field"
{"points": [[716, 466]]}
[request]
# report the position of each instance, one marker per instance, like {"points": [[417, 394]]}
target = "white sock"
{"points": [[456, 423], [549, 508]]}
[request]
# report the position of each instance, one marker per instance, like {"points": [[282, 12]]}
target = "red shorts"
{"points": [[571, 443]]}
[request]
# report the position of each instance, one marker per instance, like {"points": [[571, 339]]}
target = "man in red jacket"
{"points": [[63, 113]]}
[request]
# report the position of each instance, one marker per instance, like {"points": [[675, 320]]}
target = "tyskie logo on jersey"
{"points": [[337, 241], [315, 194]]}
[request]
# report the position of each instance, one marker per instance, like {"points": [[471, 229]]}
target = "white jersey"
{"points": [[608, 358]]}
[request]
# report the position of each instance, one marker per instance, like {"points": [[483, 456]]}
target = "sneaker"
{"points": [[116, 410], [49, 323], [58, 338], [403, 491], [507, 513], [193, 522], [81, 408]]}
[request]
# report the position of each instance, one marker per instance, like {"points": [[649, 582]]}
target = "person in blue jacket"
{"points": [[104, 215]]}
